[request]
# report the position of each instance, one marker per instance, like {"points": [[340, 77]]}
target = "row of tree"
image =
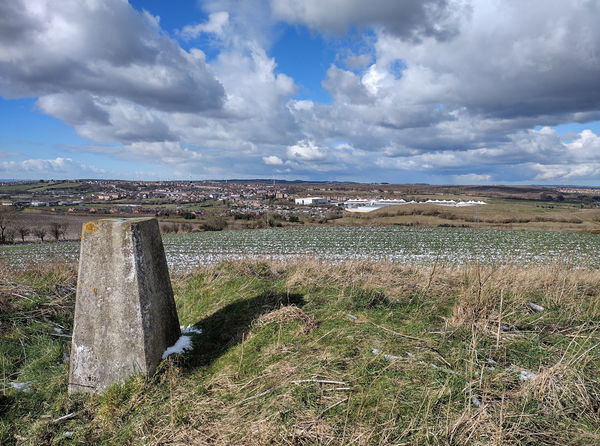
{"points": [[10, 231], [54, 230]]}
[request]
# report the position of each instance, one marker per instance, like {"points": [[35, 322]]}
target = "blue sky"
{"points": [[435, 91]]}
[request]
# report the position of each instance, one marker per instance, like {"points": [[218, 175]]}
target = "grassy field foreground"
{"points": [[314, 353]]}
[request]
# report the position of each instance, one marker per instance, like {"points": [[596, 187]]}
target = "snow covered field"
{"points": [[393, 243]]}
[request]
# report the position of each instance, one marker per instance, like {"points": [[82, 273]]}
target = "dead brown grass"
{"points": [[288, 314], [313, 380]]}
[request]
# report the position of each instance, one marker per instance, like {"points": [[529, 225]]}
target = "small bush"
{"points": [[215, 222]]}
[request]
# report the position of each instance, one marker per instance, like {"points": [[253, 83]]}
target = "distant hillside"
{"points": [[275, 181]]}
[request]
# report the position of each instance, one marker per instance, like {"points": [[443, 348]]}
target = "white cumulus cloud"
{"points": [[272, 160], [57, 165], [305, 151], [217, 21]]}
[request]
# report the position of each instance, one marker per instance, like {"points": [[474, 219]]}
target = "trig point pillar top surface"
{"points": [[125, 315]]}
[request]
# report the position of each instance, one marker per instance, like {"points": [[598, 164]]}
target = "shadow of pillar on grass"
{"points": [[229, 325]]}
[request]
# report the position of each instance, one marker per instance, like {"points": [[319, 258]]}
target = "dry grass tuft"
{"points": [[286, 315], [53, 283], [10, 292], [479, 300], [559, 393], [563, 388], [396, 279], [475, 427]]}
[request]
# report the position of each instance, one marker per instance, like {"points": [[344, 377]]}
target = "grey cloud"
{"points": [[408, 19], [105, 48], [357, 61], [472, 178], [75, 108], [107, 120], [561, 172], [542, 155], [345, 86], [162, 153], [15, 23], [512, 59]]}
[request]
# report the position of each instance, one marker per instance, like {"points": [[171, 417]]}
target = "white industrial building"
{"points": [[358, 205], [311, 200]]}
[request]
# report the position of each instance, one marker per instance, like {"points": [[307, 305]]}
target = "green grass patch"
{"points": [[316, 353], [44, 187]]}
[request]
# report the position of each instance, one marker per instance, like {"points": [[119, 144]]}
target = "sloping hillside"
{"points": [[314, 353]]}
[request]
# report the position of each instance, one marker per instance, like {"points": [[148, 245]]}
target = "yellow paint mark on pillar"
{"points": [[90, 227]]}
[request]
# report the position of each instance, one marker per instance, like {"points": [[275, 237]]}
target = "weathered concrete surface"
{"points": [[125, 315]]}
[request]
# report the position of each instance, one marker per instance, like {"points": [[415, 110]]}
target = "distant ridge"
{"points": [[263, 180]]}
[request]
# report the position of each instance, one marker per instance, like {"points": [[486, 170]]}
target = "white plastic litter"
{"points": [[535, 307], [184, 343], [376, 351], [21, 386], [524, 375], [190, 329]]}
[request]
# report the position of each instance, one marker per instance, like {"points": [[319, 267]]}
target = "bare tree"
{"points": [[65, 229], [23, 232], [5, 219], [40, 233], [9, 236], [3, 227], [57, 230]]}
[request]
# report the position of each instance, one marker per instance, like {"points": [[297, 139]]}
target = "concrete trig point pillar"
{"points": [[125, 315]]}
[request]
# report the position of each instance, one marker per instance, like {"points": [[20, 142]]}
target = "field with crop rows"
{"points": [[400, 244]]}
